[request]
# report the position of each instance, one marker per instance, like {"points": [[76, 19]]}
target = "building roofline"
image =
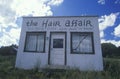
{"points": [[55, 16]]}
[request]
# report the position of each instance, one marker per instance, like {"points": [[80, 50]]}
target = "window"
{"points": [[35, 42], [57, 43], [82, 42]]}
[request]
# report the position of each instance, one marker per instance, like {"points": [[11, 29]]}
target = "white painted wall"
{"points": [[29, 60]]}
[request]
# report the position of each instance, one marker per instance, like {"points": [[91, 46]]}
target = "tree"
{"points": [[8, 50], [108, 50], [118, 51]]}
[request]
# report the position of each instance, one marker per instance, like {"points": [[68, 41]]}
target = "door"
{"points": [[57, 49]]}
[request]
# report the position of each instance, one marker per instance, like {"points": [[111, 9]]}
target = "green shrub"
{"points": [[112, 66], [8, 71]]}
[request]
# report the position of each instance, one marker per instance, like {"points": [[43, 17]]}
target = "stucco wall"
{"points": [[28, 60]]}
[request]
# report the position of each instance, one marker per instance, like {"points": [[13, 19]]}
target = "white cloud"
{"points": [[15, 33], [7, 15], [5, 40], [12, 25], [117, 31], [31, 7], [101, 34], [10, 37], [117, 2], [116, 43], [11, 10], [1, 19], [101, 2], [107, 21], [0, 29], [55, 2]]}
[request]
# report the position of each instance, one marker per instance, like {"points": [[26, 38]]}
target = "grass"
{"points": [[8, 71]]}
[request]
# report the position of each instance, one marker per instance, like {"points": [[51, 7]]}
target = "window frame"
{"points": [[35, 33], [92, 40]]}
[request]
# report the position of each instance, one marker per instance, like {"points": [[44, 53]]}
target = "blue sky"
{"points": [[11, 12]]}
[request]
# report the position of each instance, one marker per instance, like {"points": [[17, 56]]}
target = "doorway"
{"points": [[57, 48]]}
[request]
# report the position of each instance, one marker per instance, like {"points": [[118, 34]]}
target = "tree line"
{"points": [[108, 50], [8, 50]]}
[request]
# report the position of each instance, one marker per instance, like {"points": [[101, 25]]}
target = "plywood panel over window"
{"points": [[82, 42], [35, 42]]}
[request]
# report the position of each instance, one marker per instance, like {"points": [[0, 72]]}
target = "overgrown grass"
{"points": [[8, 71]]}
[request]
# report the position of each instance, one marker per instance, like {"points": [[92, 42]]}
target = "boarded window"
{"points": [[82, 42]]}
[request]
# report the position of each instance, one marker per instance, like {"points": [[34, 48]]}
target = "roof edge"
{"points": [[56, 16]]}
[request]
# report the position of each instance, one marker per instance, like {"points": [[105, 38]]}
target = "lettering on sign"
{"points": [[31, 23], [84, 23], [47, 23], [78, 23]]}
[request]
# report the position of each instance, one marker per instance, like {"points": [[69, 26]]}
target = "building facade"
{"points": [[60, 42]]}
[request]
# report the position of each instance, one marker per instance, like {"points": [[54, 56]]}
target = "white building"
{"points": [[60, 42]]}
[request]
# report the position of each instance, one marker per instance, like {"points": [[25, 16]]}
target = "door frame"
{"points": [[50, 47]]}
